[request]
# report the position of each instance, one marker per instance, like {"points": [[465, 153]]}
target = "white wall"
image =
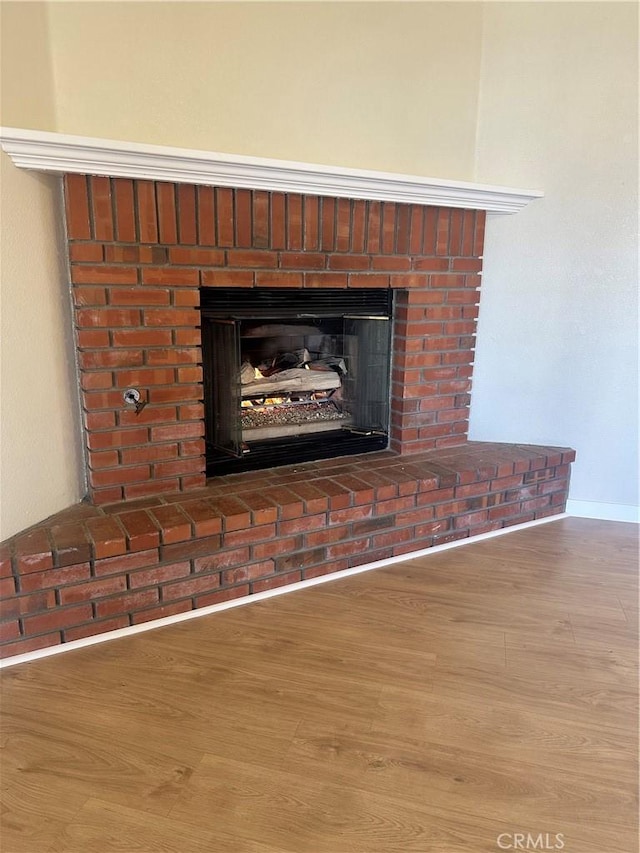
{"points": [[40, 468], [557, 349]]}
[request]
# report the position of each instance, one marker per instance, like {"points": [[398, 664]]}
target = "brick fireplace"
{"points": [[139, 252], [155, 537]]}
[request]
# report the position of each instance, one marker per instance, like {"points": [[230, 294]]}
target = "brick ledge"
{"points": [[92, 569]]}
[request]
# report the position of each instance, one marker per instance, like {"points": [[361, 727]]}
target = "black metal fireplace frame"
{"points": [[220, 306]]}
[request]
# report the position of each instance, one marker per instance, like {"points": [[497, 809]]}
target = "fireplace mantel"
{"points": [[45, 151]]}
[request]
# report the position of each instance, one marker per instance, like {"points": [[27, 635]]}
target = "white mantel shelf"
{"points": [[44, 151]]}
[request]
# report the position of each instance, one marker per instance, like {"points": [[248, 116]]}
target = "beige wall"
{"points": [[39, 436], [389, 86], [557, 354]]}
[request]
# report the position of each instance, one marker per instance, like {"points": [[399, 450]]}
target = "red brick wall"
{"points": [[140, 250]]}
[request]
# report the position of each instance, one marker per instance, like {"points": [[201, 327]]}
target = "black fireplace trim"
{"points": [[288, 303], [308, 448]]}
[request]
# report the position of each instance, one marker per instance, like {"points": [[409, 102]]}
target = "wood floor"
{"points": [[438, 706]]}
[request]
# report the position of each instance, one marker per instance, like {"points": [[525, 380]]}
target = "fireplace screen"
{"points": [[294, 376]]}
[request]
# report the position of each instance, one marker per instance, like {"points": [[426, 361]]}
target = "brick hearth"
{"points": [[92, 569], [158, 538]]}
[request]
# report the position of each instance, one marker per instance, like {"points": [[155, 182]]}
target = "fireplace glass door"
{"points": [[366, 344], [294, 379], [222, 391]]}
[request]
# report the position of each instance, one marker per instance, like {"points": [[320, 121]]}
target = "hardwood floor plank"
{"points": [[72, 764], [501, 730], [464, 780], [309, 815], [577, 665], [100, 827]]}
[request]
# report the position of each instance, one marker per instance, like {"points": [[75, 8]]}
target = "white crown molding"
{"points": [[45, 151]]}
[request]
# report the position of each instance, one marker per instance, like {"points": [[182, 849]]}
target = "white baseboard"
{"points": [[119, 633], [604, 511]]}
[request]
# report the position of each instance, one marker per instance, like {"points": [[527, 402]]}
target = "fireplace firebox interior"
{"points": [[294, 376]]}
